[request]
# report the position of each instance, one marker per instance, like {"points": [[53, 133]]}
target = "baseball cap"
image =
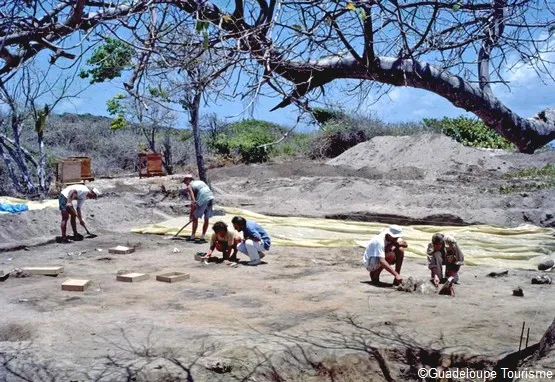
{"points": [[96, 191]]}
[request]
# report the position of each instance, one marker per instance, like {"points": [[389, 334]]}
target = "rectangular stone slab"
{"points": [[172, 277], [132, 277], [74, 285], [48, 271], [121, 250]]}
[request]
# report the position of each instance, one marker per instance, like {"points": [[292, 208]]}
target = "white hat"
{"points": [[96, 191], [188, 176], [394, 231]]}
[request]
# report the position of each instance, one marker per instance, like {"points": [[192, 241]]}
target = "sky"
{"points": [[527, 96]]}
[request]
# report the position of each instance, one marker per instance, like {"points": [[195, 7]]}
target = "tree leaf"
{"points": [[456, 7], [227, 18], [350, 7], [362, 14], [297, 27]]}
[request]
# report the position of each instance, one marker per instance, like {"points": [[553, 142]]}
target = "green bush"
{"points": [[470, 132], [244, 140]]}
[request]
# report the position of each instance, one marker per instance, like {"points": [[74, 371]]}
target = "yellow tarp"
{"points": [[33, 205], [521, 247]]}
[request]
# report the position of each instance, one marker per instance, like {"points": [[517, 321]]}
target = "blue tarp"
{"points": [[12, 208]]}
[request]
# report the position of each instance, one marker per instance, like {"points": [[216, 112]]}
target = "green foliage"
{"points": [[244, 139], [469, 132], [548, 171], [40, 123], [323, 115], [529, 179], [159, 92], [108, 61], [119, 122]]}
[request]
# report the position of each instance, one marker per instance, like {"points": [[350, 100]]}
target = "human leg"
{"points": [[251, 248]]}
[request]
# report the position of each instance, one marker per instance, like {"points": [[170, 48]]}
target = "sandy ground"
{"points": [[307, 314], [310, 307]]}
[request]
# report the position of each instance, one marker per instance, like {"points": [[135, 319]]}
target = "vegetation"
{"points": [[252, 141], [341, 131], [530, 179], [470, 132]]}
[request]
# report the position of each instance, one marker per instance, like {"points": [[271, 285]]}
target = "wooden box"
{"points": [[47, 271], [132, 277], [73, 285], [151, 165], [121, 250], [86, 172], [172, 277]]}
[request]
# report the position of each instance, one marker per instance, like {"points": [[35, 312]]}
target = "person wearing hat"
{"points": [[202, 200], [78, 192], [383, 251]]}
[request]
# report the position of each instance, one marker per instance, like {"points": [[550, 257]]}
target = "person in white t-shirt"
{"points": [[80, 193], [383, 251]]}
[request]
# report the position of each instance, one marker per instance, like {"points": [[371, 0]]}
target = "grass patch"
{"points": [[529, 179], [548, 171]]}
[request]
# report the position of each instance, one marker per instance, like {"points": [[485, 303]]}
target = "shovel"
{"points": [[174, 237], [89, 234]]}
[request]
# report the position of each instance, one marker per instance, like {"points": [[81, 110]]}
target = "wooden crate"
{"points": [[151, 165], [172, 277], [86, 172], [73, 170]]}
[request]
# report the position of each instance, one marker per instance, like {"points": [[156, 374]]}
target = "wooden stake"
{"points": [[521, 335], [527, 337]]}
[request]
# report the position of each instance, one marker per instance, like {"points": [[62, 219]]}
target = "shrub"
{"points": [[244, 140], [340, 134], [470, 132]]}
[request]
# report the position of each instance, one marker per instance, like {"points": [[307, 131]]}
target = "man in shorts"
{"points": [[78, 192], [383, 251], [202, 200]]}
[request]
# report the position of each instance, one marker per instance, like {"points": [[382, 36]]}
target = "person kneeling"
{"points": [[224, 240], [383, 251], [255, 239]]}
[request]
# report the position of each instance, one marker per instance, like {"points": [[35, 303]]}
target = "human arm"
{"points": [[390, 269], [192, 198]]}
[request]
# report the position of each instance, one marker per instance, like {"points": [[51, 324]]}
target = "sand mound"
{"points": [[433, 153]]}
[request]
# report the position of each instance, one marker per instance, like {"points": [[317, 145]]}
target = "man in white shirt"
{"points": [[78, 192], [383, 251]]}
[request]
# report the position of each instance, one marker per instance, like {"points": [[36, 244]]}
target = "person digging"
{"points": [[383, 251], [80, 193], [224, 240], [202, 200]]}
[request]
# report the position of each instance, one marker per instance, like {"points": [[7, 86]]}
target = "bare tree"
{"points": [[457, 49], [24, 99]]}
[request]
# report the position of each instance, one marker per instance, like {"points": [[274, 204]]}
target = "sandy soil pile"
{"points": [[433, 153]]}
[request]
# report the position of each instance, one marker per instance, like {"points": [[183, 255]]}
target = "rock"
{"points": [[408, 285], [518, 292], [545, 265], [425, 288], [498, 274], [542, 280], [20, 273], [219, 366]]}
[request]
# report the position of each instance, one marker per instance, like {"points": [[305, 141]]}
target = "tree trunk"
{"points": [[9, 168], [41, 168], [194, 111], [19, 158], [168, 160]]}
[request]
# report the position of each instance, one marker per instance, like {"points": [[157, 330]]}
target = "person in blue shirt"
{"points": [[255, 239]]}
